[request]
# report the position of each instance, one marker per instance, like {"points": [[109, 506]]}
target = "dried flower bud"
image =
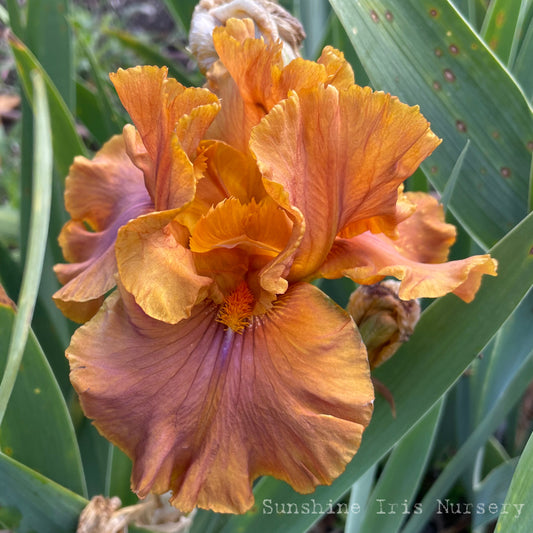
{"points": [[272, 22], [385, 321]]}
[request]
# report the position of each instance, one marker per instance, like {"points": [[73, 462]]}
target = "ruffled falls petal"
{"points": [[341, 154], [204, 411], [101, 195], [170, 121]]}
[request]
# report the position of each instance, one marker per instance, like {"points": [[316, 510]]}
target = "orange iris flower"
{"points": [[216, 361]]}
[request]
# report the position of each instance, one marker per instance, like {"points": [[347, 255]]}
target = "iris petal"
{"points": [[368, 258], [203, 411], [342, 154], [101, 195], [157, 268], [170, 120], [251, 78]]}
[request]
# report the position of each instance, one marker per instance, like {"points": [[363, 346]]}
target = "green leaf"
{"points": [[30, 502], [522, 66], [40, 218], [37, 429], [15, 16], [504, 399], [336, 37], [312, 14], [501, 27], [118, 476], [48, 35], [89, 112], [94, 451], [151, 55], [10, 273], [402, 475], [496, 369], [51, 328], [449, 335], [9, 225], [181, 12], [450, 185], [65, 139], [97, 110], [359, 498], [519, 517], [29, 397], [464, 91], [492, 490]]}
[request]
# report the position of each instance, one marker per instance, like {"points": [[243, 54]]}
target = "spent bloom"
{"points": [[215, 360]]}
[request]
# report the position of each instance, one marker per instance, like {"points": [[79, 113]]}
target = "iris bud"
{"points": [[385, 322]]}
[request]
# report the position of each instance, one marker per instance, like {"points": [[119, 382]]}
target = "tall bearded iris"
{"points": [[215, 361]]}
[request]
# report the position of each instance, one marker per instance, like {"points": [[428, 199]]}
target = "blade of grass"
{"points": [[402, 475], [41, 199], [359, 498], [452, 180], [520, 496], [466, 454], [34, 502]]}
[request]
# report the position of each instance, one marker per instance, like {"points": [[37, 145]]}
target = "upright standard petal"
{"points": [[250, 79], [203, 410], [170, 120], [340, 153], [101, 195]]}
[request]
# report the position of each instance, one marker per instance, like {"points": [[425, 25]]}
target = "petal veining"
{"points": [[203, 410], [342, 154]]}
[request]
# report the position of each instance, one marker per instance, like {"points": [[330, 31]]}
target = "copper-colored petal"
{"points": [[368, 258], [342, 154], [170, 120], [236, 241], [158, 269], [227, 173], [425, 236], [250, 79], [204, 411], [101, 195], [261, 228]]}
